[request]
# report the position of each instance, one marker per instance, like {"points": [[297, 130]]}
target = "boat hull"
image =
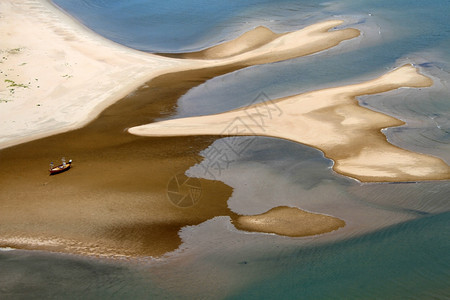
{"points": [[59, 169]]}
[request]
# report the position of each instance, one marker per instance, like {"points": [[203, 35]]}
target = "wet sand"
{"points": [[288, 221], [114, 201]]}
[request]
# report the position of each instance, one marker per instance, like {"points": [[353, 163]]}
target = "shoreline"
{"points": [[53, 94]]}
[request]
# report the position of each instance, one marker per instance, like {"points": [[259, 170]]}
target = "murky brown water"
{"points": [[114, 199]]}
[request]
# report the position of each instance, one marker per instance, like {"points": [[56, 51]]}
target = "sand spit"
{"points": [[261, 45], [330, 120], [250, 40], [288, 221]]}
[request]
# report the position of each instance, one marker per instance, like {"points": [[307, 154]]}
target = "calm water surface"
{"points": [[401, 252]]}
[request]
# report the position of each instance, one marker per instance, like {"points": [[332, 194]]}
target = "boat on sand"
{"points": [[61, 168]]}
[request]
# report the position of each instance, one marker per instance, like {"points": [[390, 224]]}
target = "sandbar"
{"points": [[330, 120]]}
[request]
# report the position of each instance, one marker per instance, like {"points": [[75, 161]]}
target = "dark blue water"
{"points": [[159, 26], [390, 259]]}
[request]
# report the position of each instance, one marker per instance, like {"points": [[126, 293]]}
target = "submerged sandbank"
{"points": [[330, 120], [289, 221]]}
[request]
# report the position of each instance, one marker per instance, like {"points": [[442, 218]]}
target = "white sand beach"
{"points": [[57, 75]]}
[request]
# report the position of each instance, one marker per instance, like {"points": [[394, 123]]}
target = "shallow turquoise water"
{"points": [[406, 261], [403, 254]]}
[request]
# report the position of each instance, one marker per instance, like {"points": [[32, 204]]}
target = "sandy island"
{"points": [[57, 76]]}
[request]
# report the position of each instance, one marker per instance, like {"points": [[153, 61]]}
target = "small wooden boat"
{"points": [[61, 168]]}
